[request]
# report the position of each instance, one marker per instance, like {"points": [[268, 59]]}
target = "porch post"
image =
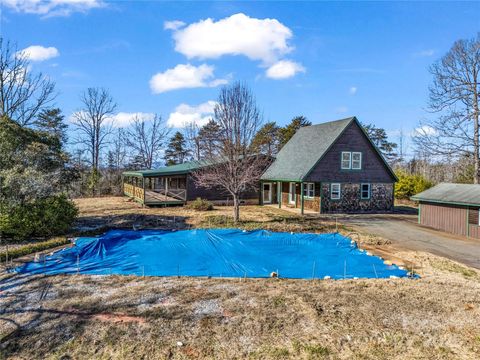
{"points": [[261, 193], [143, 183], [301, 197], [166, 188], [279, 194]]}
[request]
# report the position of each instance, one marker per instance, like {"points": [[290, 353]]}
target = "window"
{"points": [[356, 160], [335, 191], [309, 190], [346, 160], [365, 191]]}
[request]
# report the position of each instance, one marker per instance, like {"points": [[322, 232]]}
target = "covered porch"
{"points": [[304, 196], [155, 189]]}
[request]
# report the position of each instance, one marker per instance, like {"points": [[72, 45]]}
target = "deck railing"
{"points": [[134, 191], [169, 194]]}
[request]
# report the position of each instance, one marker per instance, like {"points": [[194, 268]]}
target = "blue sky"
{"points": [[324, 60]]}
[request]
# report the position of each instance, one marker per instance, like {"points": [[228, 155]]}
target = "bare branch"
{"points": [[94, 121], [147, 138], [22, 94], [235, 166], [455, 97]]}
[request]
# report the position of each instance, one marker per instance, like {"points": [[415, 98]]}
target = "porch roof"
{"points": [[178, 169]]}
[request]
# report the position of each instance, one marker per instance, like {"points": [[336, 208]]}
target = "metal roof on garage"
{"points": [[448, 193]]}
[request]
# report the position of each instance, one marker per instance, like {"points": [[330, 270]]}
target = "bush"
{"points": [[42, 218], [33, 248], [409, 185], [200, 205]]}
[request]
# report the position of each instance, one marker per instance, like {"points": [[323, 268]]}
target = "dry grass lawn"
{"points": [[105, 317]]}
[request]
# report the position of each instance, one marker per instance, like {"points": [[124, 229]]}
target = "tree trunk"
{"points": [[236, 208], [476, 151]]}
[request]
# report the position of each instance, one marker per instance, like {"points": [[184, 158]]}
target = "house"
{"points": [[174, 185], [330, 167], [453, 208]]}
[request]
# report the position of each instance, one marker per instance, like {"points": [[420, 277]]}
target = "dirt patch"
{"points": [[118, 318]]}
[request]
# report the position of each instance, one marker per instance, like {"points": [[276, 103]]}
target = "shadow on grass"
{"points": [[95, 225]]}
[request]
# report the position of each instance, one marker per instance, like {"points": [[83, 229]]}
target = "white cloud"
{"points": [[284, 69], [124, 119], [239, 34], [353, 90], [173, 25], [424, 130], [341, 109], [185, 76], [49, 8], [185, 115], [424, 53], [119, 120], [39, 53]]}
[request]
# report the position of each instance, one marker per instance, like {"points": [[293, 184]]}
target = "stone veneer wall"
{"points": [[381, 198], [313, 204]]}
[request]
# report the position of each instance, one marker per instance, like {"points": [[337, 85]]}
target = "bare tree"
{"points": [[236, 167], [193, 140], [94, 122], [119, 151], [454, 96], [147, 138], [22, 94]]}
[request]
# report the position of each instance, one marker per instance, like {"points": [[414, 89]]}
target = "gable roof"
{"points": [[307, 147], [448, 193]]}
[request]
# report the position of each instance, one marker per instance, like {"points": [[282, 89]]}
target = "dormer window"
{"points": [[351, 160], [346, 160], [356, 160]]}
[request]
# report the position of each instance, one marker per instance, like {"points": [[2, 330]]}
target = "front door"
{"points": [[292, 194], [267, 193]]}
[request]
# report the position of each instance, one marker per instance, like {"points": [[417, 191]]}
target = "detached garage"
{"points": [[453, 208]]}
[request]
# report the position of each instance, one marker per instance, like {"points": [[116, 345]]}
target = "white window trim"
{"points": [[351, 157], [339, 191], [349, 160], [369, 191], [305, 189]]}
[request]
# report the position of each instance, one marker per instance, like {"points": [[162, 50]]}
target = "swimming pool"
{"points": [[216, 253]]}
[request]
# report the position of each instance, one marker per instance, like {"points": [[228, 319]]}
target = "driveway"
{"points": [[405, 233]]}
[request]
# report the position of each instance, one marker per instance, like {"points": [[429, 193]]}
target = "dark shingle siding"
{"points": [[352, 139]]}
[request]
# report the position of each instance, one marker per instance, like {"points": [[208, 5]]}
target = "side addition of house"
{"points": [[330, 167]]}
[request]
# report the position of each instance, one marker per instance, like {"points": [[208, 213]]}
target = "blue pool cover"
{"points": [[217, 253]]}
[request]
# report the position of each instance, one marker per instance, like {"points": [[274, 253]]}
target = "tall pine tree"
{"points": [[287, 132], [267, 139], [209, 139], [177, 151], [380, 138]]}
